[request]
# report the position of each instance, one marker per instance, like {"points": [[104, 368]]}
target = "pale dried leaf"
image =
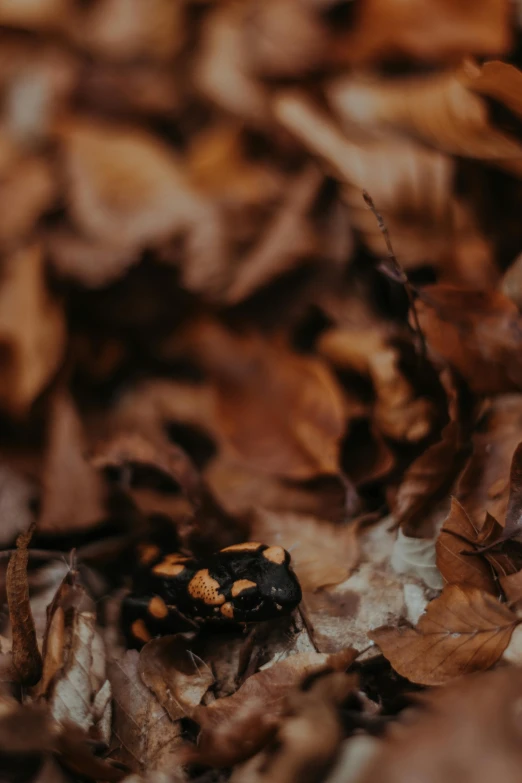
{"points": [[417, 556]]}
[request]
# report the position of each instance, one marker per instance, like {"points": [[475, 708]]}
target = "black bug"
{"points": [[243, 583]]}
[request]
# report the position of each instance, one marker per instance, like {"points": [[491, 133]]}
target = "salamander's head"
{"points": [[264, 585]]}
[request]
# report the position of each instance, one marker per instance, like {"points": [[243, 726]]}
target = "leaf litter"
{"points": [[260, 281]]}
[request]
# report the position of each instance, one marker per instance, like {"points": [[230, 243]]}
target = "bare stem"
{"points": [[399, 273]]}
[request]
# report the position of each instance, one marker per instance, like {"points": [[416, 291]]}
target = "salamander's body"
{"points": [[244, 583]]}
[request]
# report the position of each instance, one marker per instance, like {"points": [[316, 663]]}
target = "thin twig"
{"points": [[399, 273]]}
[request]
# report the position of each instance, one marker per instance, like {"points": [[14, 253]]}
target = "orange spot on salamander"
{"points": [[203, 587]]}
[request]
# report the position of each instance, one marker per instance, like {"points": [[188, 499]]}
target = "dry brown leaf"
{"points": [[240, 488], [443, 31], [513, 522], [89, 262], [32, 330], [322, 554], [141, 88], [176, 674], [284, 39], [236, 727], [397, 412], [467, 733], [26, 656], [484, 484], [72, 748], [123, 30], [308, 738], [280, 412], [457, 557], [143, 735], [448, 110], [288, 240], [72, 491], [33, 14], [207, 525], [478, 333], [157, 201], [412, 187], [221, 73], [463, 631], [512, 587], [220, 168], [27, 190], [429, 477]]}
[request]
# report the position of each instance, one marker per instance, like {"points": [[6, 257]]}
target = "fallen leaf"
{"points": [[72, 493], [176, 674], [397, 411], [431, 475], [478, 333], [417, 556], [28, 190], [429, 224], [32, 330], [287, 241], [74, 682], [299, 410], [513, 524], [90, 262], [119, 31], [143, 735], [221, 73], [158, 200], [444, 32], [457, 556], [207, 527], [484, 483], [27, 659], [309, 735], [71, 747], [236, 727], [466, 732], [447, 110], [463, 631]]}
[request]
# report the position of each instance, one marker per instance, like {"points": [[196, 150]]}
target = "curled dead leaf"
{"points": [[457, 556], [27, 659]]}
